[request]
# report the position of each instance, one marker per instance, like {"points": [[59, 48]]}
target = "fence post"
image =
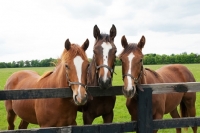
{"points": [[145, 120]]}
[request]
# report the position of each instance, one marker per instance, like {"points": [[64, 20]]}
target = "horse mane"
{"points": [[46, 74], [103, 37], [154, 72], [91, 74], [66, 56]]}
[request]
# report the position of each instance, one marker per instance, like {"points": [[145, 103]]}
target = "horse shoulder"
{"points": [[152, 77]]}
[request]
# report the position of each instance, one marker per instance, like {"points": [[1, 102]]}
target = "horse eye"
{"points": [[67, 66], [140, 60]]}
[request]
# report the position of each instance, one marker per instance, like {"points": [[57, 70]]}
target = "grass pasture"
{"points": [[120, 112]]}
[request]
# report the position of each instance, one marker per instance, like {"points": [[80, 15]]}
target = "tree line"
{"points": [[156, 59], [149, 59], [33, 63]]}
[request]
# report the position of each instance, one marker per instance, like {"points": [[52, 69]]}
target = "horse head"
{"points": [[104, 56], [76, 64], [132, 65]]}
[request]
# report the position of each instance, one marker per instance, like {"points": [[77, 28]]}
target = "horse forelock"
{"points": [[127, 50], [75, 50], [103, 38]]}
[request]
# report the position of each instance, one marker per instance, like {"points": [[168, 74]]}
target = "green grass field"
{"points": [[121, 113]]}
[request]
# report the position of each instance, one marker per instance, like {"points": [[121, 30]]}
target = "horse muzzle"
{"points": [[129, 93], [80, 100], [104, 84]]}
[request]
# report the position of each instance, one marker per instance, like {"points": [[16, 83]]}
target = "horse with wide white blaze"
{"points": [[100, 73], [134, 73], [70, 71]]}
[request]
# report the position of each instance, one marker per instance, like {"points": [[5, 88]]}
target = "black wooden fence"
{"points": [[145, 123]]}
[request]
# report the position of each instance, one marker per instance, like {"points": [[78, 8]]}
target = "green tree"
{"points": [[27, 63], [2, 65], [21, 63]]}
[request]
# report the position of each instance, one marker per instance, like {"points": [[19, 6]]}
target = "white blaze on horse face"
{"points": [[130, 58], [106, 48], [78, 61]]}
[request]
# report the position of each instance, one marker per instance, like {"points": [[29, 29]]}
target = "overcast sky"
{"points": [[37, 29]]}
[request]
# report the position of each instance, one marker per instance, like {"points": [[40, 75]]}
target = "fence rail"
{"points": [[114, 127], [144, 123], [96, 91]]}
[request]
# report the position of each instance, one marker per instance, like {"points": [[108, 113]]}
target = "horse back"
{"points": [[21, 80], [175, 73]]}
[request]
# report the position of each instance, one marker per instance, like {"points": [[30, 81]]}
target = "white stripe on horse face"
{"points": [[106, 48], [78, 61], [130, 58]]}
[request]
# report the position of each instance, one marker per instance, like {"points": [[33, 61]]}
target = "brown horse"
{"points": [[51, 112], [100, 73], [134, 74]]}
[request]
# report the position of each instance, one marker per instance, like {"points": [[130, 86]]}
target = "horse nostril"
{"points": [[76, 98], [99, 80], [109, 80], [86, 96]]}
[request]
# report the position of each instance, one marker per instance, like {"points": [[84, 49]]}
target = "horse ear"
{"points": [[124, 41], [96, 32], [141, 42], [67, 44], [85, 45], [113, 32]]}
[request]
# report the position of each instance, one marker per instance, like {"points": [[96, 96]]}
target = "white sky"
{"points": [[37, 29]]}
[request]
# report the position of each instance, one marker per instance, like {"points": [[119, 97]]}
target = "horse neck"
{"points": [[144, 77], [92, 76], [57, 78]]}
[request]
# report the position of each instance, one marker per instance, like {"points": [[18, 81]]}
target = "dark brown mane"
{"points": [[103, 38], [154, 72], [127, 50], [106, 37]]}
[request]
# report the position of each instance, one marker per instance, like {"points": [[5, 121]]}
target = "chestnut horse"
{"points": [[71, 70], [134, 74], [100, 73]]}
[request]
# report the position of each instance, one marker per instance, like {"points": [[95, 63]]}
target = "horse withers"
{"points": [[100, 73], [134, 73], [71, 70]]}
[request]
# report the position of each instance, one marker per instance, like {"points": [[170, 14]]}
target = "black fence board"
{"points": [[114, 127], [37, 130], [95, 91], [176, 123], [55, 93], [145, 120], [103, 128], [35, 93]]}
